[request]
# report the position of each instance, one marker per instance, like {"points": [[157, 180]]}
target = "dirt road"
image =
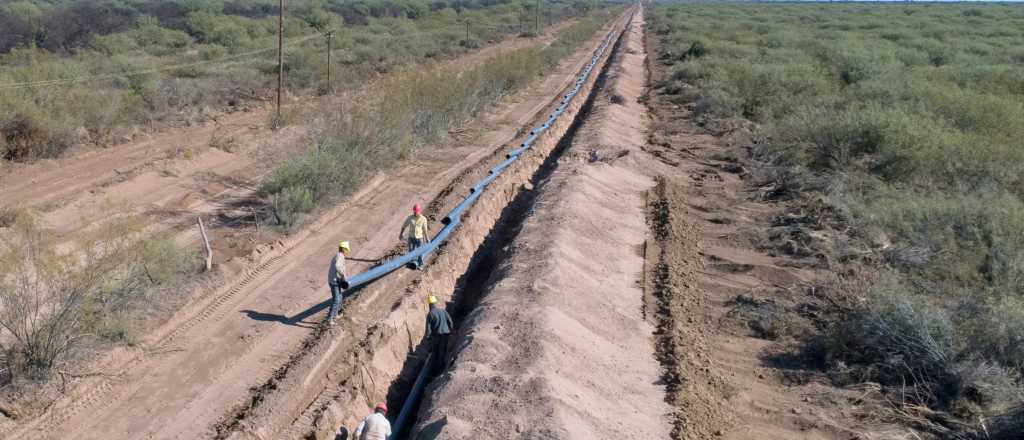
{"points": [[558, 346], [196, 372], [171, 176]]}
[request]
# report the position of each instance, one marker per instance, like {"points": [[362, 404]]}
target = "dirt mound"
{"points": [[558, 346]]}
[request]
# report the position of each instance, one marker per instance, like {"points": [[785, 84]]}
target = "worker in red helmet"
{"points": [[375, 426], [415, 231]]}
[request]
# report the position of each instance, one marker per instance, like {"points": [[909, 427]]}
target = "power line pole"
{"points": [[467, 31], [329, 35], [280, 56]]}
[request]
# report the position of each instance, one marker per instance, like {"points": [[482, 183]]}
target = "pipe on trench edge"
{"points": [[451, 222], [452, 219]]}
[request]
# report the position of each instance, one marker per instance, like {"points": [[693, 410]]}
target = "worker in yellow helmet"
{"points": [[336, 279], [439, 326]]}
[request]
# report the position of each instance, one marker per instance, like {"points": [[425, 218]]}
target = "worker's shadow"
{"points": [[299, 320]]}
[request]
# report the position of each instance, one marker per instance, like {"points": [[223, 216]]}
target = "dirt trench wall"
{"points": [[362, 378], [385, 351], [558, 347]]}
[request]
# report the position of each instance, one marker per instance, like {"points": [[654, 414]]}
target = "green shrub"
{"points": [[56, 305], [994, 328], [291, 205], [163, 260]]}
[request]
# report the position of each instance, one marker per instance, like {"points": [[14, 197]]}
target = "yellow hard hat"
{"points": [[431, 299], [344, 246]]}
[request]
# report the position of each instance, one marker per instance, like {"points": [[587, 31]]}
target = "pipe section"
{"points": [[410, 401], [454, 217], [452, 220]]}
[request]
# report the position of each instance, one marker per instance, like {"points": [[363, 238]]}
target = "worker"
{"points": [[439, 326], [336, 279], [375, 426], [414, 231]]}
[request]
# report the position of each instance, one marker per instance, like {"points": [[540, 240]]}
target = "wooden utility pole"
{"points": [[280, 56], [467, 31], [206, 244], [329, 35]]}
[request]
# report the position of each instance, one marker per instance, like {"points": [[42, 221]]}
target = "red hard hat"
{"points": [[381, 406], [417, 209]]}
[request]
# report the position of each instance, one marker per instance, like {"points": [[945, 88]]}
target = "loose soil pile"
{"points": [[558, 347]]}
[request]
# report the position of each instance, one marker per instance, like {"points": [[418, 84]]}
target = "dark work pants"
{"points": [[413, 244], [439, 354]]}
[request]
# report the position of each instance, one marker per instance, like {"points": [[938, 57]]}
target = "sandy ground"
{"points": [[181, 379], [559, 347]]}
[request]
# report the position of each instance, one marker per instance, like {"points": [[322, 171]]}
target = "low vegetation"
{"points": [[55, 307], [901, 124], [413, 107], [98, 71]]}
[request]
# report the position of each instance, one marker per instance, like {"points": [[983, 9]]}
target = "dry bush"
{"points": [[55, 306], [916, 349], [910, 140]]}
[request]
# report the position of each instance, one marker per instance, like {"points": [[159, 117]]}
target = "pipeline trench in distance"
{"points": [[329, 381], [473, 283]]}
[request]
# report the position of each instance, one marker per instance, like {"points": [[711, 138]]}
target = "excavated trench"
{"points": [[332, 381], [471, 286]]}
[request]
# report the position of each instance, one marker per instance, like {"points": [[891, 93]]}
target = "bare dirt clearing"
{"points": [[180, 380]]}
